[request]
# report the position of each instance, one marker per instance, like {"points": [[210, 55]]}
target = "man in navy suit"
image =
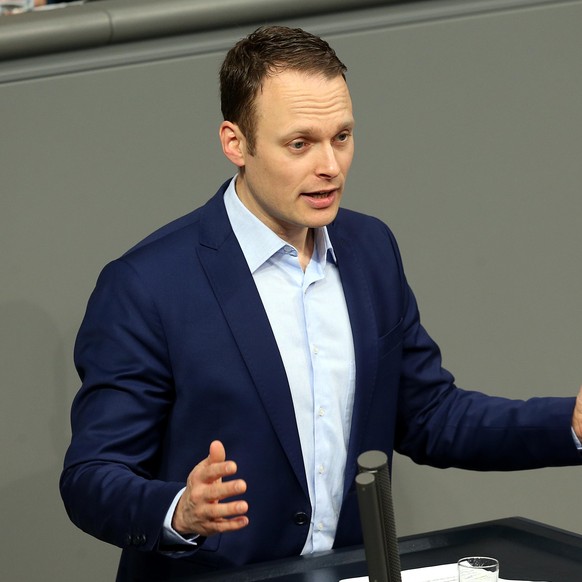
{"points": [[277, 327]]}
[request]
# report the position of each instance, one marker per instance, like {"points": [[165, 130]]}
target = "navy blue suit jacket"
{"points": [[176, 350]]}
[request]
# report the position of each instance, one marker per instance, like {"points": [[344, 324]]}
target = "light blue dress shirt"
{"points": [[309, 318]]}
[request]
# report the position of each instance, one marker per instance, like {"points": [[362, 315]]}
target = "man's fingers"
{"points": [[232, 524], [212, 474], [216, 452], [215, 466], [577, 415], [221, 490], [225, 525], [216, 518], [226, 511]]}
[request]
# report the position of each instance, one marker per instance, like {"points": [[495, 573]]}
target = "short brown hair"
{"points": [[267, 51]]}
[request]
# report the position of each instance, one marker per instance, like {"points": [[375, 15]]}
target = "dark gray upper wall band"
{"points": [[117, 21]]}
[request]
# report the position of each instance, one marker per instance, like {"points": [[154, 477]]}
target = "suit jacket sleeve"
{"points": [[436, 422], [445, 426], [119, 416]]}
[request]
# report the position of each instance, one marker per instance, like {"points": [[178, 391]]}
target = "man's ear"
{"points": [[233, 143]]}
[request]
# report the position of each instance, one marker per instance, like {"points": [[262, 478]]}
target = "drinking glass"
{"points": [[478, 569], [15, 6]]}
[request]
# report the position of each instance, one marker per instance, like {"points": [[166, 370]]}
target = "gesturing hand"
{"points": [[199, 510], [577, 416]]}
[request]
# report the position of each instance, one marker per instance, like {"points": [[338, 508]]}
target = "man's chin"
{"points": [[324, 218]]}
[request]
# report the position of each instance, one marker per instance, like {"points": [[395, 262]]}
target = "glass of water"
{"points": [[15, 6], [478, 569]]}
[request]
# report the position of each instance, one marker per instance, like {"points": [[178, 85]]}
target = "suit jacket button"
{"points": [[301, 518]]}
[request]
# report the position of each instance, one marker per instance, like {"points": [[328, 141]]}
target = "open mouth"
{"points": [[322, 194], [322, 199]]}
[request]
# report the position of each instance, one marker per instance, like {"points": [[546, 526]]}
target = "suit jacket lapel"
{"points": [[363, 323], [232, 282]]}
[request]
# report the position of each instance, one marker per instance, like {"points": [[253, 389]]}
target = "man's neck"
{"points": [[306, 250]]}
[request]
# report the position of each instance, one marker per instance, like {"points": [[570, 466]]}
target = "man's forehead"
{"points": [[297, 76], [296, 90]]}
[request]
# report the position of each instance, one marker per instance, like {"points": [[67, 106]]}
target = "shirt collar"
{"points": [[258, 242]]}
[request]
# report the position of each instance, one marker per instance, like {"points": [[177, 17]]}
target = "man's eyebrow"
{"points": [[309, 130], [301, 130]]}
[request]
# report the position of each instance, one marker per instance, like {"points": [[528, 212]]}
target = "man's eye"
{"points": [[297, 145], [343, 137]]}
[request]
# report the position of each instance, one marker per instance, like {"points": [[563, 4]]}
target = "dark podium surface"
{"points": [[526, 550]]}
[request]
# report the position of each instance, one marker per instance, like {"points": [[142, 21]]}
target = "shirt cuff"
{"points": [[172, 541], [576, 440]]}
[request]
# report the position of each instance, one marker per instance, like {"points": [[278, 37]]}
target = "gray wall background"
{"points": [[468, 145]]}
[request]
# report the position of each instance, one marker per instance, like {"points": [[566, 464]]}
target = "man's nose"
{"points": [[327, 164]]}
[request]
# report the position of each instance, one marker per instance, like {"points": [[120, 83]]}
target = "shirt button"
{"points": [[321, 469], [320, 526], [315, 350], [321, 411]]}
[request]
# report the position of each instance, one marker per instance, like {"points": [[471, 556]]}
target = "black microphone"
{"points": [[377, 517]]}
